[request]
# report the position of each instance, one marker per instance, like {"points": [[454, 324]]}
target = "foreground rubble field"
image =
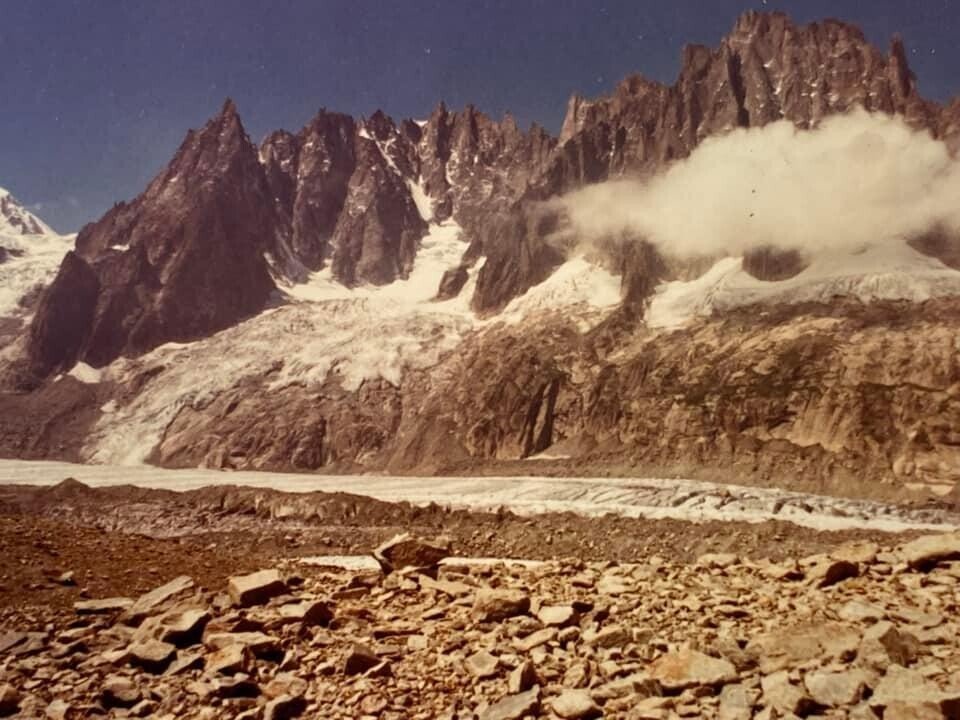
{"points": [[865, 629]]}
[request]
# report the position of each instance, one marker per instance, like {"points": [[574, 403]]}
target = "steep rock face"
{"points": [[310, 172], [473, 165], [325, 428], [181, 261], [478, 170], [345, 187], [64, 317], [378, 233], [766, 70], [836, 393], [828, 396], [519, 254]]}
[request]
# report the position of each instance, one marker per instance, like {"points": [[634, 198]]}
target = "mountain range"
{"points": [[369, 295]]}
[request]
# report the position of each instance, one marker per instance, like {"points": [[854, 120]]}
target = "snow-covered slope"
{"points": [[888, 271], [17, 220], [328, 330], [30, 252]]}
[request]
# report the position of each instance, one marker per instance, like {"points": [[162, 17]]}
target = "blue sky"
{"points": [[99, 93]]}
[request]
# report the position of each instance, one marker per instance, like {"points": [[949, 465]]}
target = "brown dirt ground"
{"points": [[125, 541]]}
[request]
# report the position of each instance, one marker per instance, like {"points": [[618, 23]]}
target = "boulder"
{"points": [[575, 705], [103, 606], [905, 686], [491, 605], [482, 665], [151, 655], [688, 668], [782, 695], [184, 628], [256, 588], [557, 615], [408, 551], [838, 688], [9, 700], [522, 678], [514, 707], [148, 603], [736, 703], [306, 612], [261, 644], [361, 659], [824, 571], [119, 692], [925, 552], [284, 707], [883, 644], [229, 660]]}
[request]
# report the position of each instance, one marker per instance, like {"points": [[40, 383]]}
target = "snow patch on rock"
{"points": [[886, 271], [329, 331]]}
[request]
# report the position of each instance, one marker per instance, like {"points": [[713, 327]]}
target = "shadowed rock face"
{"points": [[344, 186], [64, 317], [767, 263], [940, 244], [182, 260], [309, 173]]}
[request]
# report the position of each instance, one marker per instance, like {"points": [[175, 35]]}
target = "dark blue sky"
{"points": [[97, 94]]}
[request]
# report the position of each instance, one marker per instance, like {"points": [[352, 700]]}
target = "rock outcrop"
{"points": [[181, 261]]}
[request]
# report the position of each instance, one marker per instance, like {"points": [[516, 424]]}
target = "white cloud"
{"points": [[858, 179]]}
